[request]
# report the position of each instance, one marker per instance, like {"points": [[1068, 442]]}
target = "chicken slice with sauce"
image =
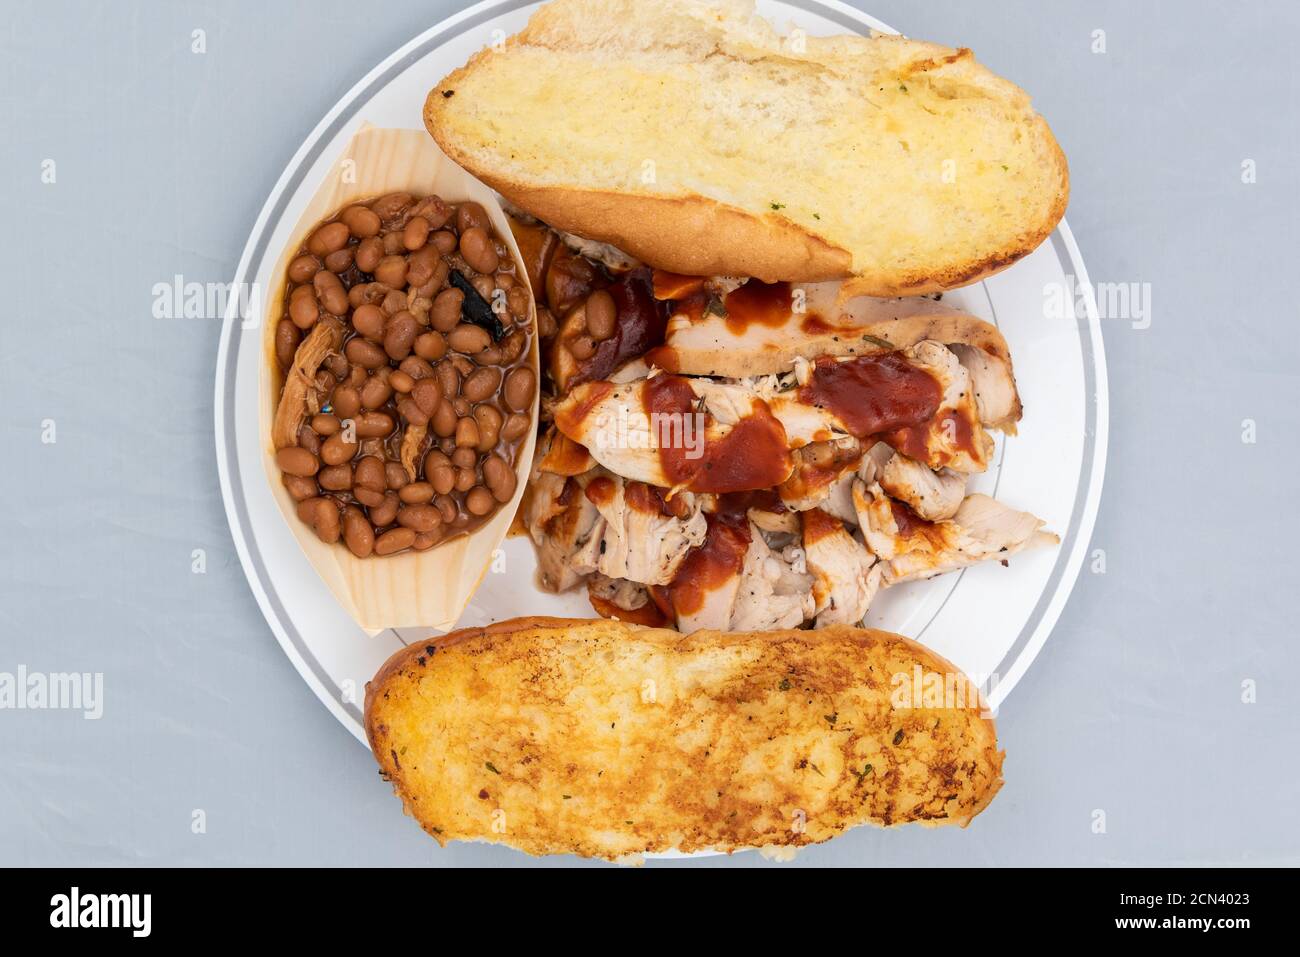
{"points": [[846, 576], [932, 494], [644, 538]]}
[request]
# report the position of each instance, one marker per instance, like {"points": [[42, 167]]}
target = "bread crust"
{"points": [[541, 725]]}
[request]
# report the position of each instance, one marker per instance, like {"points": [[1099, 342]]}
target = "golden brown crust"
{"points": [[538, 733]]}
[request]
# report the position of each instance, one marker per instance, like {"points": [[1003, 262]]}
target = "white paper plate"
{"points": [[989, 620]]}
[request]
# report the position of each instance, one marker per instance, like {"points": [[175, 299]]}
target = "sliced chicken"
{"points": [[704, 591], [771, 594], [625, 600], [913, 548], [644, 538], [846, 576], [563, 524], [933, 495]]}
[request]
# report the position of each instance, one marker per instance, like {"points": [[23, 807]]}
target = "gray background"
{"points": [[164, 158]]}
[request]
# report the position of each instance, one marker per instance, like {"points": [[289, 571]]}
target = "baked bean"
{"points": [[601, 315], [422, 266], [393, 243], [426, 540], [385, 512], [346, 402], [357, 532], [482, 383], [300, 487], [468, 339], [296, 461], [416, 368], [448, 378], [465, 479], [447, 507], [434, 210], [369, 497], [516, 427], [370, 321], [517, 301], [442, 478], [308, 439], [325, 519], [391, 271], [395, 476], [430, 345], [444, 420], [375, 392], [420, 518], [444, 315], [369, 473], [327, 239], [490, 356], [499, 477], [464, 457], [485, 287], [520, 387], [335, 478], [513, 346], [410, 410], [470, 215], [400, 336], [363, 223], [337, 449], [427, 394], [374, 424], [390, 206], [324, 423], [330, 293], [416, 233], [467, 432], [339, 260], [504, 281], [303, 268], [489, 422], [476, 246], [401, 382], [287, 337], [479, 501], [369, 252], [416, 493], [394, 540], [582, 347], [444, 241], [364, 353], [338, 365], [304, 310]]}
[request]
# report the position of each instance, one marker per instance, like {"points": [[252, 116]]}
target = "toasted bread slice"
{"points": [[607, 739], [698, 139]]}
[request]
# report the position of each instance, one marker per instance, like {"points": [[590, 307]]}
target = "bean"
{"points": [[422, 265], [393, 243], [339, 260], [486, 288], [479, 501], [448, 378], [477, 248], [337, 449], [303, 268], [296, 461], [335, 478], [431, 345], [300, 487], [357, 532], [444, 420], [416, 368], [489, 426], [369, 497], [395, 476], [519, 389], [287, 337], [442, 478], [369, 252], [402, 330], [517, 301], [469, 215], [467, 432], [465, 479], [327, 239], [500, 477], [444, 241], [391, 271], [346, 402], [362, 222], [416, 493], [391, 205], [374, 425], [394, 302], [491, 356], [481, 384], [426, 540], [444, 315], [325, 519], [323, 423], [504, 281], [338, 365], [513, 346], [434, 210], [421, 518], [464, 457], [416, 233], [515, 428], [375, 392], [394, 540], [330, 292], [364, 353], [410, 410], [469, 339], [369, 320], [601, 314], [304, 310], [447, 507], [308, 439], [386, 511]]}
